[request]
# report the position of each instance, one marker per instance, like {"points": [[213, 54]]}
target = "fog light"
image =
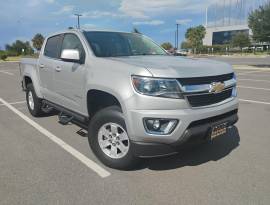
{"points": [[156, 124], [160, 126]]}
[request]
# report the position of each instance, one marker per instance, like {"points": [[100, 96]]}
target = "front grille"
{"points": [[205, 80], [206, 99]]}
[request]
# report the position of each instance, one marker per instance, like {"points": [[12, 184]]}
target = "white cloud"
{"points": [[142, 7], [89, 26], [146, 8], [183, 21], [50, 1], [64, 9], [100, 14], [152, 22], [34, 3]]}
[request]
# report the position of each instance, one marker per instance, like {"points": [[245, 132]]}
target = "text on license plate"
{"points": [[219, 130]]}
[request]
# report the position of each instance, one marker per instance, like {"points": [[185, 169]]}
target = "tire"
{"points": [[33, 102], [109, 119]]}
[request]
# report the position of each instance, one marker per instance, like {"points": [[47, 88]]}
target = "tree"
{"points": [[19, 48], [167, 45], [135, 30], [240, 40], [194, 36], [259, 22], [185, 45], [38, 41]]}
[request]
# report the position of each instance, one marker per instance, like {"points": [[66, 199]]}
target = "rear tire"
{"points": [[33, 102], [108, 138]]}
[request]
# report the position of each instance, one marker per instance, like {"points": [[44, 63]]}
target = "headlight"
{"points": [[234, 76], [167, 88], [234, 91]]}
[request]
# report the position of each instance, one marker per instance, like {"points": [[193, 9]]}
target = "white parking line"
{"points": [[89, 163], [254, 101], [5, 72], [254, 88], [14, 103], [255, 80]]}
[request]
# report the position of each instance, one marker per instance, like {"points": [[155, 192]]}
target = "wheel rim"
{"points": [[113, 140], [31, 100]]}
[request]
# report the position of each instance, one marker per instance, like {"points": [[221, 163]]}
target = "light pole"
{"points": [[78, 18], [177, 25], [175, 40]]}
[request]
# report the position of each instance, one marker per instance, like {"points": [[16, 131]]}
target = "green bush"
{"points": [[12, 53], [3, 55]]}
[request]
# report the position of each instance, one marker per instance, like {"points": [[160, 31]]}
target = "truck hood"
{"points": [[176, 66]]}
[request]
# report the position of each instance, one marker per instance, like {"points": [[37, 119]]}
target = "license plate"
{"points": [[218, 130]]}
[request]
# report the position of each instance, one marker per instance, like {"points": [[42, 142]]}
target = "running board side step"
{"points": [[64, 119], [67, 116], [46, 108]]}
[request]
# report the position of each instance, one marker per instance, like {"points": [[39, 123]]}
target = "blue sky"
{"points": [[21, 19]]}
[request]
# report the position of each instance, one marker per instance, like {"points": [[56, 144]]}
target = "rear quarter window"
{"points": [[53, 46]]}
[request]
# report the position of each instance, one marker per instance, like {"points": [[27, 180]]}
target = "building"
{"points": [[226, 18], [223, 34]]}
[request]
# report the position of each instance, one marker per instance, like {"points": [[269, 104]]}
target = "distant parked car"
{"points": [[181, 52]]}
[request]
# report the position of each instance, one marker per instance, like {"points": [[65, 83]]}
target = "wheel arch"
{"points": [[98, 99], [30, 79]]}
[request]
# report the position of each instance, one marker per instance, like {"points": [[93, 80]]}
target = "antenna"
{"points": [[78, 20]]}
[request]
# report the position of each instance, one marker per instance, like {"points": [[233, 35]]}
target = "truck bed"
{"points": [[28, 67]]}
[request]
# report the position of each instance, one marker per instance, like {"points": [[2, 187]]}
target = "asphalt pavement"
{"points": [[35, 169], [259, 61]]}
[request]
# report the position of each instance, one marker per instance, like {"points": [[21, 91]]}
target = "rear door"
{"points": [[48, 61], [69, 77]]}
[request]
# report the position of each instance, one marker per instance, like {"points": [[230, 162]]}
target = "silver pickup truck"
{"points": [[135, 100]]}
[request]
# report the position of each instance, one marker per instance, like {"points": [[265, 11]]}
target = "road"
{"points": [[34, 169], [252, 61]]}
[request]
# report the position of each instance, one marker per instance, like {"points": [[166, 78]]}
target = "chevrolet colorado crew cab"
{"points": [[135, 99]]}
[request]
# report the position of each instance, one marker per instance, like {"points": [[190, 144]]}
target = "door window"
{"points": [[53, 46]]}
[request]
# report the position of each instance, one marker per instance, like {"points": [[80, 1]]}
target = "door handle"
{"points": [[41, 66], [58, 69]]}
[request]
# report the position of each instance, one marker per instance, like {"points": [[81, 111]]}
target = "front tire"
{"points": [[109, 139], [33, 102]]}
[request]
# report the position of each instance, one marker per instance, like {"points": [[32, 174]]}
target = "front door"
{"points": [[69, 77]]}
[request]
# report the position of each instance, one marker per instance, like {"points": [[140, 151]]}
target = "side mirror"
{"points": [[71, 55]]}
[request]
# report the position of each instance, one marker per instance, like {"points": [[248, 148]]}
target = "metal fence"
{"points": [[231, 12]]}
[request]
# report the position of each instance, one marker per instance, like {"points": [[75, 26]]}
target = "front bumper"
{"points": [[197, 132], [185, 116]]}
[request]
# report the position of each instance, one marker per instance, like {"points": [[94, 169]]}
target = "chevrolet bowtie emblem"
{"points": [[216, 87]]}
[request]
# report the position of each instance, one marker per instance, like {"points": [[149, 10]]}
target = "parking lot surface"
{"points": [[260, 61], [35, 169]]}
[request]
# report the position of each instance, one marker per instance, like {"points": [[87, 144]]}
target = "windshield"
{"points": [[113, 44]]}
